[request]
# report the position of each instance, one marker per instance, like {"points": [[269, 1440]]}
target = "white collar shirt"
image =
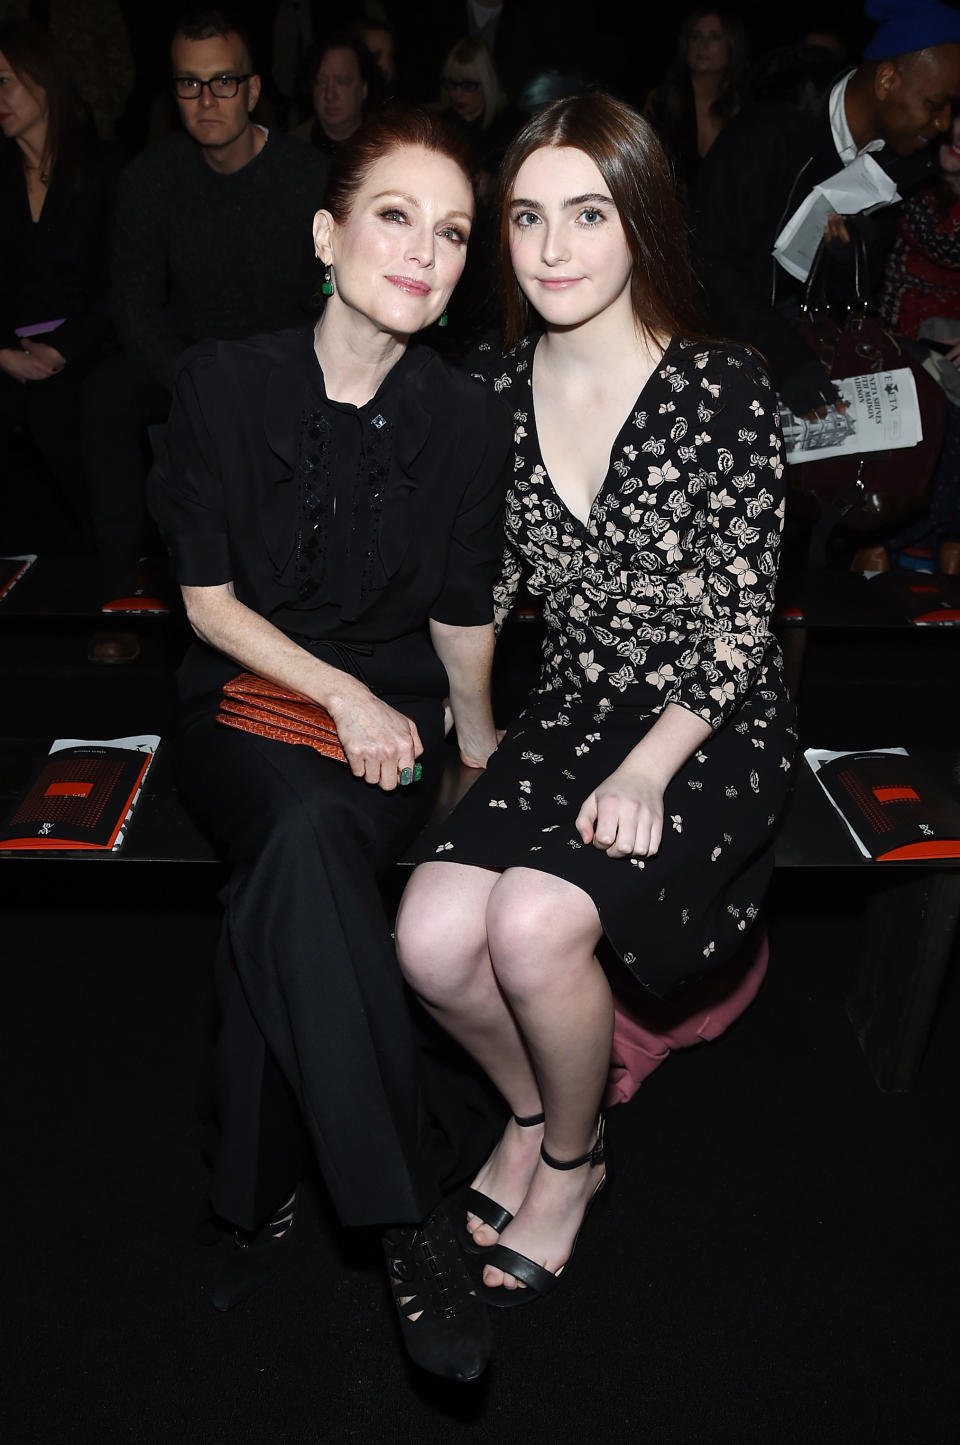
{"points": [[839, 128]]}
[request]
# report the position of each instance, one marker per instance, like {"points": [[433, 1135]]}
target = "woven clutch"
{"points": [[253, 705]]}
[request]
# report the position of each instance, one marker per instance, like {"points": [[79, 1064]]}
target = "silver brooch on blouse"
{"points": [[379, 421]]}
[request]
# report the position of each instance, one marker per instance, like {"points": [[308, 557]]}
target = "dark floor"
{"points": [[775, 1260]]}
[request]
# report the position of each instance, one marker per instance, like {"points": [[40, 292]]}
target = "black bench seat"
{"points": [[910, 920]]}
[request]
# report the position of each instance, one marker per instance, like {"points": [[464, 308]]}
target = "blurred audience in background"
{"points": [[203, 244]]}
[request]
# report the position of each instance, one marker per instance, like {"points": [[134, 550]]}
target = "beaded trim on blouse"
{"points": [[313, 499], [377, 453], [354, 567]]}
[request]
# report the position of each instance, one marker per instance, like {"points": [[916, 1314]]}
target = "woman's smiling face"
{"points": [[399, 253], [567, 245]]}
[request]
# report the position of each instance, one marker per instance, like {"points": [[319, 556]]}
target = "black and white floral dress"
{"points": [[665, 595]]}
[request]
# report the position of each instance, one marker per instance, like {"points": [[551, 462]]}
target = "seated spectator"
{"points": [[57, 184], [702, 90], [209, 244], [381, 42], [472, 93], [921, 298], [344, 85], [765, 162], [470, 87]]}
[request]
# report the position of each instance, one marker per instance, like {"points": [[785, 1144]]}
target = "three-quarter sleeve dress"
{"points": [[348, 528], [663, 596]]}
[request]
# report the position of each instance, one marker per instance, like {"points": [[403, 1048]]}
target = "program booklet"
{"points": [[82, 796], [892, 806]]}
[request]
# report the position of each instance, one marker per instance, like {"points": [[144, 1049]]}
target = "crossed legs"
{"points": [[505, 962]]}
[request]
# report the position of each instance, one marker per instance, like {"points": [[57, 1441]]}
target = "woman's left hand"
{"points": [[624, 815]]}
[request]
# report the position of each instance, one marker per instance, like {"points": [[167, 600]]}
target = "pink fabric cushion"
{"points": [[648, 1028]]}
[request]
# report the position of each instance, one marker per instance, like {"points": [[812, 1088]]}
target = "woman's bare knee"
{"points": [[440, 932], [541, 931]]}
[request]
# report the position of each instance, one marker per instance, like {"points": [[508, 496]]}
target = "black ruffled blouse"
{"points": [[341, 525]]}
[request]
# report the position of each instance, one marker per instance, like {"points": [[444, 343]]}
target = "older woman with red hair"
{"points": [[332, 498]]}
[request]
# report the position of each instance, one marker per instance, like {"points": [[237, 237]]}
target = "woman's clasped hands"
{"points": [[623, 816], [33, 363]]}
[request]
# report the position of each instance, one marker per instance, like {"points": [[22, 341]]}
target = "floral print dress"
{"points": [[664, 595]]}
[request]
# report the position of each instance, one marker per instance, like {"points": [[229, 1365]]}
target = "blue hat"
{"points": [[907, 25]]}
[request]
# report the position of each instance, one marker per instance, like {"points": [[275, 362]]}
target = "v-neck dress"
{"points": [[663, 595]]}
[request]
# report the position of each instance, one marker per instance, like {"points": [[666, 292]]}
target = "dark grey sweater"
{"points": [[200, 256]]}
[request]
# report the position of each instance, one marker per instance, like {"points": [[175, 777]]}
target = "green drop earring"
{"points": [[444, 319], [327, 287]]}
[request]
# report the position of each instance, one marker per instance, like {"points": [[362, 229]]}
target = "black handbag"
{"points": [[874, 489]]}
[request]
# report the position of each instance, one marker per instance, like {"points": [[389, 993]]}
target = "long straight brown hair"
{"points": [[637, 174], [71, 138]]}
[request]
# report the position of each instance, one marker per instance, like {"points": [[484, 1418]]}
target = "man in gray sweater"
{"points": [[213, 239]]}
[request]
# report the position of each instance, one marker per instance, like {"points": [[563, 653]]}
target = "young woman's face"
{"points": [[567, 244], [398, 255], [23, 103]]}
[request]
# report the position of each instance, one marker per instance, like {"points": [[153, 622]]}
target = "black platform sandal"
{"points": [[539, 1281], [445, 1327], [243, 1262], [487, 1209]]}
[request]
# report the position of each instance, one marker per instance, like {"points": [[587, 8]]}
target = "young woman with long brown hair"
{"points": [[630, 807]]}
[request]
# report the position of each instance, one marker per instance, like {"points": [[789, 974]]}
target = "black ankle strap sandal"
{"points": [[487, 1209], [539, 1281], [593, 1156]]}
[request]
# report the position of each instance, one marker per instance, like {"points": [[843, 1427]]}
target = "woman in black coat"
{"points": [[57, 186], [332, 500]]}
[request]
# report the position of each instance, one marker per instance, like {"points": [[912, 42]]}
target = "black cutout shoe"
{"points": [[539, 1281], [451, 1335], [243, 1262], [487, 1209]]}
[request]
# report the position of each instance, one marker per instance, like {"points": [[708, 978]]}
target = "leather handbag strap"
{"points": [[813, 291]]}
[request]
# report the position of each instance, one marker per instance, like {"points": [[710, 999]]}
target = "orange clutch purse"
{"points": [[253, 705]]}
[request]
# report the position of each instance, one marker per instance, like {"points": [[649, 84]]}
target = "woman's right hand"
{"points": [[379, 741]]}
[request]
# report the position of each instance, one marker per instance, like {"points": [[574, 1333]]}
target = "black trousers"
{"points": [[121, 397], [51, 412], [316, 1034]]}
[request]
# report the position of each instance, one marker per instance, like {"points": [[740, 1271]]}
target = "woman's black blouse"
{"points": [[57, 267], [336, 523]]}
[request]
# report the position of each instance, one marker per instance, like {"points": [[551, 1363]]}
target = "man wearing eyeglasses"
{"points": [[216, 94], [213, 240]]}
